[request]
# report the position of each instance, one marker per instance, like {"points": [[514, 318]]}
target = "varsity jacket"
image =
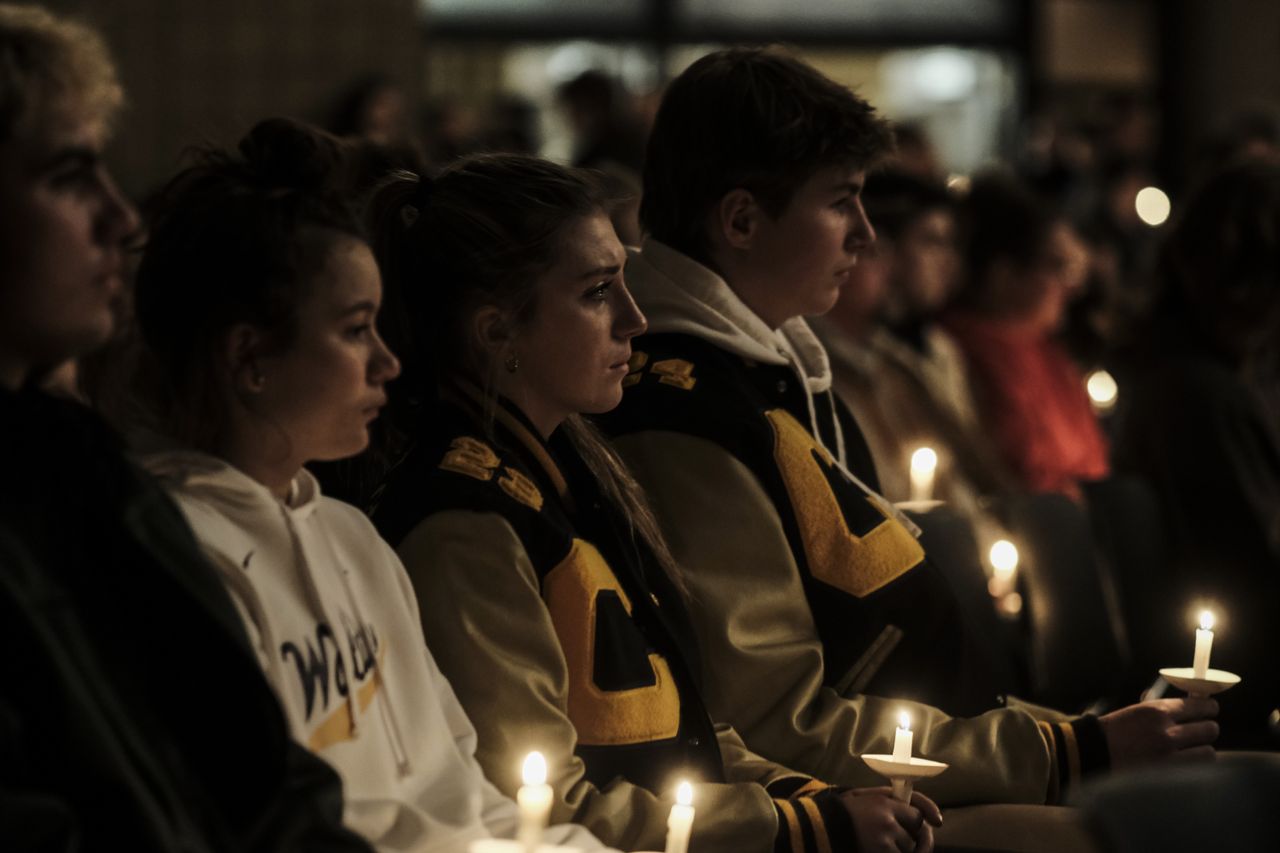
{"points": [[133, 715], [335, 623], [561, 633], [810, 595]]}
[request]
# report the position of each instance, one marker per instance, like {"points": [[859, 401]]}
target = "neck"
{"points": [[264, 458], [545, 417], [737, 276]]}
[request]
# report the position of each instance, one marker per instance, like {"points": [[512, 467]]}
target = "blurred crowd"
{"points": [[741, 446]]}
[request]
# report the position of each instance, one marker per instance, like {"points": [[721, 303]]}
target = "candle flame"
{"points": [[904, 720], [535, 769], [1004, 558], [1206, 620], [684, 794], [924, 460], [1102, 389], [1152, 205]]}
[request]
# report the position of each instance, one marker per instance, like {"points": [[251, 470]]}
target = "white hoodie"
{"points": [[335, 623]]}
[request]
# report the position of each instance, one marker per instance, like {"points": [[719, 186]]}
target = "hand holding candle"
{"points": [[680, 823], [1204, 643], [534, 799]]}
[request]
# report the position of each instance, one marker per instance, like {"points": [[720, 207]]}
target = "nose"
{"points": [[861, 233], [383, 366], [629, 321], [118, 219]]}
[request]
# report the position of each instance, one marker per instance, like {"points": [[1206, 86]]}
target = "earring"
{"points": [[512, 363]]}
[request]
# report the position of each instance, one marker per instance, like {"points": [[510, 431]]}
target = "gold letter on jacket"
{"points": [[606, 717], [848, 542]]}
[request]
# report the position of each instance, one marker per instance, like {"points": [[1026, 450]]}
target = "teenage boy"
{"points": [[133, 714], [808, 590]]}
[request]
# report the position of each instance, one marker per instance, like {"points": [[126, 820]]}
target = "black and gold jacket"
{"points": [[887, 619], [817, 614], [559, 632]]}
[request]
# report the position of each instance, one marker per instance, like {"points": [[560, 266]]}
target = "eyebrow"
{"points": [[848, 187], [613, 269], [366, 305]]}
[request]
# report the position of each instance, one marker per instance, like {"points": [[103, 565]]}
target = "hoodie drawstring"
{"points": [[882, 503]]}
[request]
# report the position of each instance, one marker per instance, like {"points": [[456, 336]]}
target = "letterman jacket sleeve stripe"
{"points": [[817, 823], [1077, 748], [789, 838]]}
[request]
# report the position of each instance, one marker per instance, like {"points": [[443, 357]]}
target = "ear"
{"points": [[493, 332], [737, 217], [241, 350]]}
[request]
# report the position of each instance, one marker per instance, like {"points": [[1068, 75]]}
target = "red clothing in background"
{"points": [[1032, 402]]}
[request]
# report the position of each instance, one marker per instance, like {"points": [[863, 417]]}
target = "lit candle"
{"points": [[680, 823], [902, 739], [1004, 563], [534, 799], [1103, 391], [924, 463], [1204, 642]]}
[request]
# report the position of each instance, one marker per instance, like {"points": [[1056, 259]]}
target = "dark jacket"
{"points": [[559, 631], [133, 714]]}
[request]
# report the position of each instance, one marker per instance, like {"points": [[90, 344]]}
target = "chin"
{"points": [[353, 445], [823, 303], [604, 402]]}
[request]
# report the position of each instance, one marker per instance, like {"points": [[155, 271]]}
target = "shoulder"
{"points": [[682, 383], [464, 475]]}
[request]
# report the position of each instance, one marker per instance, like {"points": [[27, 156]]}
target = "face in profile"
{"points": [[62, 244], [325, 389], [925, 261], [574, 347], [803, 257], [1056, 277]]}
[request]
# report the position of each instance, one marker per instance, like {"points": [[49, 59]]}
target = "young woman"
{"points": [[1024, 265], [547, 590], [256, 301]]}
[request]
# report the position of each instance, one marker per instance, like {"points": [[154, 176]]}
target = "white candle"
{"points": [[680, 823], [534, 799], [1204, 642], [924, 463], [902, 739]]}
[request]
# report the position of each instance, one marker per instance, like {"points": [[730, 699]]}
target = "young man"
{"points": [[132, 713], [808, 590]]}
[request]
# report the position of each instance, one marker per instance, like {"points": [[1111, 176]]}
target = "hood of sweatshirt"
{"points": [[223, 484], [678, 294]]}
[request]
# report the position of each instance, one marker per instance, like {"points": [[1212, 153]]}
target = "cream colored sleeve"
{"points": [[761, 656], [491, 634]]}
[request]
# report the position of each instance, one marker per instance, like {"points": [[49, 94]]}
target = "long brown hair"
{"points": [[482, 232]]}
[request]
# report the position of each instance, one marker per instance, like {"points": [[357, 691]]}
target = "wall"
{"points": [[208, 69]]}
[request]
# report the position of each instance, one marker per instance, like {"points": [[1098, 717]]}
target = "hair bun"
{"points": [[289, 154]]}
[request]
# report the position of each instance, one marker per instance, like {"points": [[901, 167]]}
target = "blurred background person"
{"points": [[1023, 264], [1201, 424]]}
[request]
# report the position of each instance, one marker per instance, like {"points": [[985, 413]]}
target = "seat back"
{"points": [[1076, 653]]}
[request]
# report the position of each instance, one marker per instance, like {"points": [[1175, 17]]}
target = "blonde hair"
{"points": [[52, 68]]}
